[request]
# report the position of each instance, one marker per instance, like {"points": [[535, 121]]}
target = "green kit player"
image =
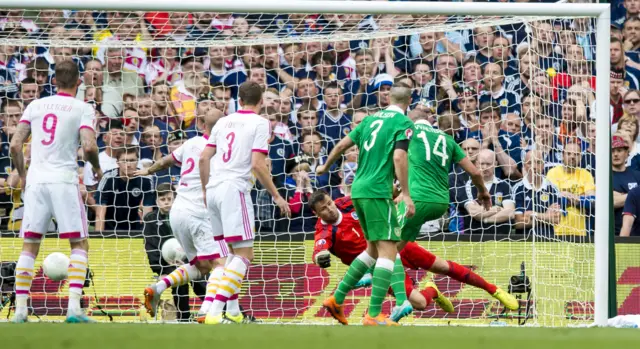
{"points": [[383, 141], [431, 155]]}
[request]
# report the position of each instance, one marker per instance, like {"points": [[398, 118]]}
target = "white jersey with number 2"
{"points": [[55, 124], [236, 137], [190, 187]]}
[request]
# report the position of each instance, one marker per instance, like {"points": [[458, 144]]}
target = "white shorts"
{"points": [[231, 213], [60, 200], [196, 236]]}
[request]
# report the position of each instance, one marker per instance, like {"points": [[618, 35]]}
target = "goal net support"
{"points": [[521, 87]]}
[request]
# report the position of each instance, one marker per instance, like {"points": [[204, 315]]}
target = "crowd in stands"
{"points": [[519, 99]]}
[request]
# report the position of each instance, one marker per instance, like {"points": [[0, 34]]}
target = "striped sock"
{"points": [[231, 283], [212, 286], [356, 270], [77, 272], [24, 277], [397, 281], [381, 280], [179, 277]]}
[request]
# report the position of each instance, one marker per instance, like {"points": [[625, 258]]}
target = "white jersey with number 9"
{"points": [[55, 124]]}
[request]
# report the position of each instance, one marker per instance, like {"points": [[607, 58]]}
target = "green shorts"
{"points": [[378, 219], [425, 211]]}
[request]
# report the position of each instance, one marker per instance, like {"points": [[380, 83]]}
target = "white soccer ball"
{"points": [[55, 266], [172, 252]]}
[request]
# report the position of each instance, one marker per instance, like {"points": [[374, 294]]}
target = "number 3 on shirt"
{"points": [[226, 156], [376, 125], [49, 124]]}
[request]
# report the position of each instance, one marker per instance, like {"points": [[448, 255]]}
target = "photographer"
{"points": [[157, 231]]}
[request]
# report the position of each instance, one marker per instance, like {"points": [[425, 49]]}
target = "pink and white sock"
{"points": [[77, 272], [212, 286], [231, 283], [24, 278], [179, 277]]}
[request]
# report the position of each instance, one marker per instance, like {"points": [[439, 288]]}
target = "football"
{"points": [[172, 252], [55, 266]]}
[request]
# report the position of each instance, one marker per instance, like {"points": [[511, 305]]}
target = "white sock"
{"points": [[212, 287], [24, 278], [77, 272], [231, 282]]}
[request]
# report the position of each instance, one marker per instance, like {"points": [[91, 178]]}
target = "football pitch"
{"points": [[122, 336]]}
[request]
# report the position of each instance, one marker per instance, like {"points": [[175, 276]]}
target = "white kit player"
{"points": [[189, 221], [57, 124], [238, 146]]}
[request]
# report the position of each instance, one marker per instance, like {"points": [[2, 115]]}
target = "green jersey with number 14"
{"points": [[376, 137], [431, 154]]}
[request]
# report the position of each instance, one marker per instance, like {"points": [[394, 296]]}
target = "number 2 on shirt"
{"points": [[49, 124], [191, 165], [226, 156]]}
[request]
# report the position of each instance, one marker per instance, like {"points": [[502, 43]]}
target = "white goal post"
{"points": [[602, 67]]}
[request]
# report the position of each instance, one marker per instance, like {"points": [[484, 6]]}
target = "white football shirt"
{"points": [[55, 124], [236, 137], [190, 187]]}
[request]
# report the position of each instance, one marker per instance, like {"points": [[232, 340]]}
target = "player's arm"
{"points": [[476, 179], [321, 254], [162, 164], [263, 174], [204, 164], [401, 165], [90, 150], [342, 146], [23, 130]]}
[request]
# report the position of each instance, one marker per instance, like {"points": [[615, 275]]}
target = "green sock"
{"points": [[355, 272], [381, 280], [397, 282]]}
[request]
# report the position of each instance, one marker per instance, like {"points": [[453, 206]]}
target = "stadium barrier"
{"points": [[284, 284]]}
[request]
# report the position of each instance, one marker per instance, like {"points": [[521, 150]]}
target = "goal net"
{"points": [[516, 92]]}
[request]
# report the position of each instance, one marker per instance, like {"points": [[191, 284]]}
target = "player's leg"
{"points": [[383, 230], [467, 276], [360, 265], [238, 226], [37, 215], [72, 225]]}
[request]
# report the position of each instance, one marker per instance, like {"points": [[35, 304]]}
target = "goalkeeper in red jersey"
{"points": [[338, 232]]}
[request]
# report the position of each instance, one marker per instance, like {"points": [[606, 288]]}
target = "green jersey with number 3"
{"points": [[431, 154], [376, 137]]}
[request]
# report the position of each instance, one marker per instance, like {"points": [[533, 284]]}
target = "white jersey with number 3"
{"points": [[236, 137], [55, 124], [190, 187]]}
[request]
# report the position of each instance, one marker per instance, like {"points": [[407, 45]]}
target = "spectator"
{"points": [[631, 106], [505, 145], [157, 231], [472, 74], [144, 105], [527, 64], [629, 126], [588, 161], [483, 38], [421, 75], [333, 121], [458, 177], [307, 93], [468, 106], [29, 91], [267, 213], [164, 68], [308, 119], [536, 198], [223, 100], [131, 126], [216, 69], [443, 88], [162, 106], [531, 106], [280, 150], [202, 28], [113, 138], [299, 186], [152, 147], [357, 92], [495, 91], [478, 220], [630, 224], [184, 93], [574, 114], [382, 91], [311, 149], [578, 189], [116, 77], [543, 39], [616, 91], [501, 54], [120, 196], [619, 61], [172, 174], [110, 97], [632, 10], [546, 141], [631, 33], [624, 178]]}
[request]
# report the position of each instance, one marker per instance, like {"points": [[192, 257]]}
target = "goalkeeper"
{"points": [[338, 232]]}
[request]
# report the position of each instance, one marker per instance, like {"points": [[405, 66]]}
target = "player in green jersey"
{"points": [[383, 141], [431, 156]]}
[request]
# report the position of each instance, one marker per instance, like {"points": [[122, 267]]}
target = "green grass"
{"points": [[138, 336]]}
